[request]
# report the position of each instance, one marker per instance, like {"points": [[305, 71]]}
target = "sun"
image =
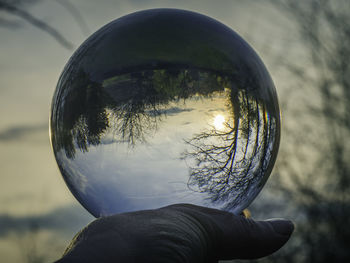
{"points": [[219, 122]]}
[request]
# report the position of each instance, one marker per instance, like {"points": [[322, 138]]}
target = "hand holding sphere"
{"points": [[161, 107]]}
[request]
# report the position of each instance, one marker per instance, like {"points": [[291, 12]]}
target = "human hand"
{"points": [[177, 233]]}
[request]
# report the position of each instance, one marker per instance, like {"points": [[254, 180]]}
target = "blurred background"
{"points": [[304, 44]]}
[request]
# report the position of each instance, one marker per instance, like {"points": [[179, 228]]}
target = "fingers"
{"points": [[238, 237], [244, 238]]}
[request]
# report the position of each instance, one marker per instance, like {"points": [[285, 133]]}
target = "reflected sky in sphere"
{"points": [[164, 106]]}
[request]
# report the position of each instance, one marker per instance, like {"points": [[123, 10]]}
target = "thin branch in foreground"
{"points": [[37, 23]]}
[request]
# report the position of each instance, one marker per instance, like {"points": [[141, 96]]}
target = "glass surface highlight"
{"points": [[164, 106]]}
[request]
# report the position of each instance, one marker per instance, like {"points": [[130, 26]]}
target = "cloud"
{"points": [[65, 220], [21, 131]]}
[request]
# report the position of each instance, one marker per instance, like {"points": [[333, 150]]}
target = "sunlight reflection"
{"points": [[219, 121]]}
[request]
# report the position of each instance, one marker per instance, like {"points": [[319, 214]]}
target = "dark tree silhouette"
{"points": [[314, 168], [229, 162]]}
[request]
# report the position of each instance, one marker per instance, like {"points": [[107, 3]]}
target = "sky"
{"points": [[37, 211]]}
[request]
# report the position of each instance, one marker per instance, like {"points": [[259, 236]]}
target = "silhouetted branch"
{"points": [[14, 10]]}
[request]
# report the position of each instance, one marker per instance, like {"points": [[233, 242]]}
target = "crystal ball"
{"points": [[164, 106]]}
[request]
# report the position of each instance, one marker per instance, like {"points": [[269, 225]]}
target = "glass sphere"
{"points": [[164, 106]]}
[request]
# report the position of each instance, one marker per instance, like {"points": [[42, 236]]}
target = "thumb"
{"points": [[249, 239]]}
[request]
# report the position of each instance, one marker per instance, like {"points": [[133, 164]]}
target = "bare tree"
{"points": [[314, 169], [230, 163]]}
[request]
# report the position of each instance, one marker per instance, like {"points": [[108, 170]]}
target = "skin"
{"points": [[177, 233]]}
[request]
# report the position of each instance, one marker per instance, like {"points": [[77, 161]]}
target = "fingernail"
{"points": [[282, 226]]}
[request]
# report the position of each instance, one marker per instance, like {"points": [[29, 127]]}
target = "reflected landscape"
{"points": [[160, 125]]}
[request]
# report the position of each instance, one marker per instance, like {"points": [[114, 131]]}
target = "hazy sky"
{"points": [[32, 191]]}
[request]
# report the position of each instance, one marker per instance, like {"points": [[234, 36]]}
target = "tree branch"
{"points": [[37, 23]]}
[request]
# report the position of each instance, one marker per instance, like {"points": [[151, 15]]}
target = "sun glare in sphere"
{"points": [[219, 121]]}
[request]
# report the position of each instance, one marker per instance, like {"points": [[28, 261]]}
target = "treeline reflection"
{"points": [[223, 163], [134, 102]]}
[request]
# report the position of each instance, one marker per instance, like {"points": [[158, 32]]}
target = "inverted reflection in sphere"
{"points": [[164, 106]]}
